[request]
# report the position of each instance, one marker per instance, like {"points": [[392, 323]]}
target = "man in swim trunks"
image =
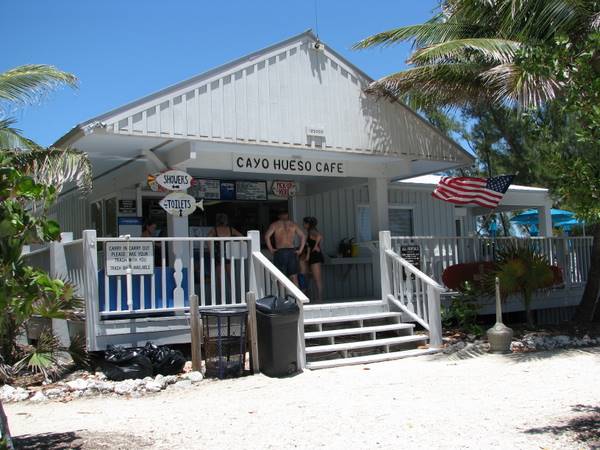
{"points": [[285, 255]]}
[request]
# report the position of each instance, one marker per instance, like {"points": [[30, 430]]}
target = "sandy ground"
{"points": [[548, 400]]}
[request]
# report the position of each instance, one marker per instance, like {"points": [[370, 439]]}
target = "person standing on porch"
{"points": [[315, 255], [285, 254], [222, 229]]}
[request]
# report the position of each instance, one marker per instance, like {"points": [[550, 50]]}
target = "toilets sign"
{"points": [[288, 165]]}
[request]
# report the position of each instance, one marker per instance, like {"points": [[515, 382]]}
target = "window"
{"points": [[104, 217], [363, 221], [401, 222]]}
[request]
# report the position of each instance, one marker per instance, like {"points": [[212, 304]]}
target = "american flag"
{"points": [[486, 192]]}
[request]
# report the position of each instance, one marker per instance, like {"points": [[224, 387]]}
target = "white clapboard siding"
{"points": [[271, 96], [72, 213]]}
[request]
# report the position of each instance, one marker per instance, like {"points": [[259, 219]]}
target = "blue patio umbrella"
{"points": [[531, 217]]}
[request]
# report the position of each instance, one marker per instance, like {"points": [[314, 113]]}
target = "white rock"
{"points": [[194, 377], [77, 385], [125, 387], [54, 392], [562, 340], [39, 397], [148, 379], [170, 379], [20, 394], [6, 393], [182, 384], [153, 386]]}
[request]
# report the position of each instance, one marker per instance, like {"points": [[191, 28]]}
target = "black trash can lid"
{"points": [[224, 312], [277, 305]]}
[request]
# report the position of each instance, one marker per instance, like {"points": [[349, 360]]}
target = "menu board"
{"points": [[250, 190], [206, 189]]}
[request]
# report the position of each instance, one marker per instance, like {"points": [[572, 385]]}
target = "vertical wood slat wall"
{"points": [[336, 212]]}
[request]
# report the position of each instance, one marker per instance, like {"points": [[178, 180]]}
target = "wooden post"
{"points": [[252, 330], [196, 333], [435, 317], [92, 302]]}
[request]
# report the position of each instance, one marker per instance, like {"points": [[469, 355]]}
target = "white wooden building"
{"points": [[295, 111]]}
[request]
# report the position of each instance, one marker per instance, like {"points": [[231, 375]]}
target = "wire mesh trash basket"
{"points": [[224, 332]]}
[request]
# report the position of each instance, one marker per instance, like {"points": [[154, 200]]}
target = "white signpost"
{"points": [[135, 255], [180, 204]]}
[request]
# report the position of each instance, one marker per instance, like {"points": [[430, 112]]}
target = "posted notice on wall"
{"points": [[120, 255], [286, 165]]}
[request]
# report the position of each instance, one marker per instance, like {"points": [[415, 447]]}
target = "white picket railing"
{"points": [[571, 254], [409, 290], [214, 268]]}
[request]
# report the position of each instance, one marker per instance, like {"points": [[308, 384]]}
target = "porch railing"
{"points": [[408, 289], [571, 254], [219, 270]]}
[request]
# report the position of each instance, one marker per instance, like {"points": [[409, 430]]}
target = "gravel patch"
{"points": [[530, 400]]}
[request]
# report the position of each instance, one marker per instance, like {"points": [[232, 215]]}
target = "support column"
{"points": [[379, 206], [545, 220]]}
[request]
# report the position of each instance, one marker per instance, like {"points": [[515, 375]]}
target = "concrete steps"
{"points": [[362, 332]]}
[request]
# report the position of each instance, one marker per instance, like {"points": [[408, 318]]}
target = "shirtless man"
{"points": [[285, 254]]}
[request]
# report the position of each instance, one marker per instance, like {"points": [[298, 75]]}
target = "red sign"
{"points": [[284, 188]]}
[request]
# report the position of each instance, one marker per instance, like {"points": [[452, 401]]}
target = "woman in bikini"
{"points": [[314, 242]]}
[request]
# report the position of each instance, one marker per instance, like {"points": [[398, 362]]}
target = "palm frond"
{"points": [[453, 85], [425, 34], [56, 167], [511, 83], [11, 138], [488, 49], [26, 84], [43, 357]]}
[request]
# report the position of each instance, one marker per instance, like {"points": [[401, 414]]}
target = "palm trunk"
{"points": [[527, 296], [588, 309]]}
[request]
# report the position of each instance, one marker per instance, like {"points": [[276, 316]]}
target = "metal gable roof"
{"points": [[271, 97]]}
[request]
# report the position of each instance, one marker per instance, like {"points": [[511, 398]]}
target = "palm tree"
{"points": [[472, 52], [25, 85], [505, 53]]}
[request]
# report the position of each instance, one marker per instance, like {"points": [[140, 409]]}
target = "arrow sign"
{"points": [[171, 180], [180, 204]]}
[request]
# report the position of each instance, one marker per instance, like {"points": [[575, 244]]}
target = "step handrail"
{"points": [[288, 285], [407, 288]]}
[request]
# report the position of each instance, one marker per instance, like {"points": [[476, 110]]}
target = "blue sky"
{"points": [[122, 50]]}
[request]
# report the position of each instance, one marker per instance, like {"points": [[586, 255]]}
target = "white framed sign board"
{"points": [[121, 255]]}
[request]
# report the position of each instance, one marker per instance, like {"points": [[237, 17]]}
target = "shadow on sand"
{"points": [[79, 440], [585, 427]]}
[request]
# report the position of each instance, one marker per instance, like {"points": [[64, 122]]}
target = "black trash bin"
{"points": [[224, 341], [277, 329]]}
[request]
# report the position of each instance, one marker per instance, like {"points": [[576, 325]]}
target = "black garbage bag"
{"points": [[165, 360], [125, 363]]}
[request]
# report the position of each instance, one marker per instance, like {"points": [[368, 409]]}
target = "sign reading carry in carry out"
{"points": [[170, 180], [180, 204], [122, 255]]}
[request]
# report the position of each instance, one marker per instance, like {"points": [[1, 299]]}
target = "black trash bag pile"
{"points": [[165, 360], [125, 363], [129, 363]]}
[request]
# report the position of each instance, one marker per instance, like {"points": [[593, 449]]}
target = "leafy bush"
{"points": [[455, 276], [26, 291], [463, 310]]}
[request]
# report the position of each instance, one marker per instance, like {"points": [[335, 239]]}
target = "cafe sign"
{"points": [[288, 165], [170, 180], [180, 204]]}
